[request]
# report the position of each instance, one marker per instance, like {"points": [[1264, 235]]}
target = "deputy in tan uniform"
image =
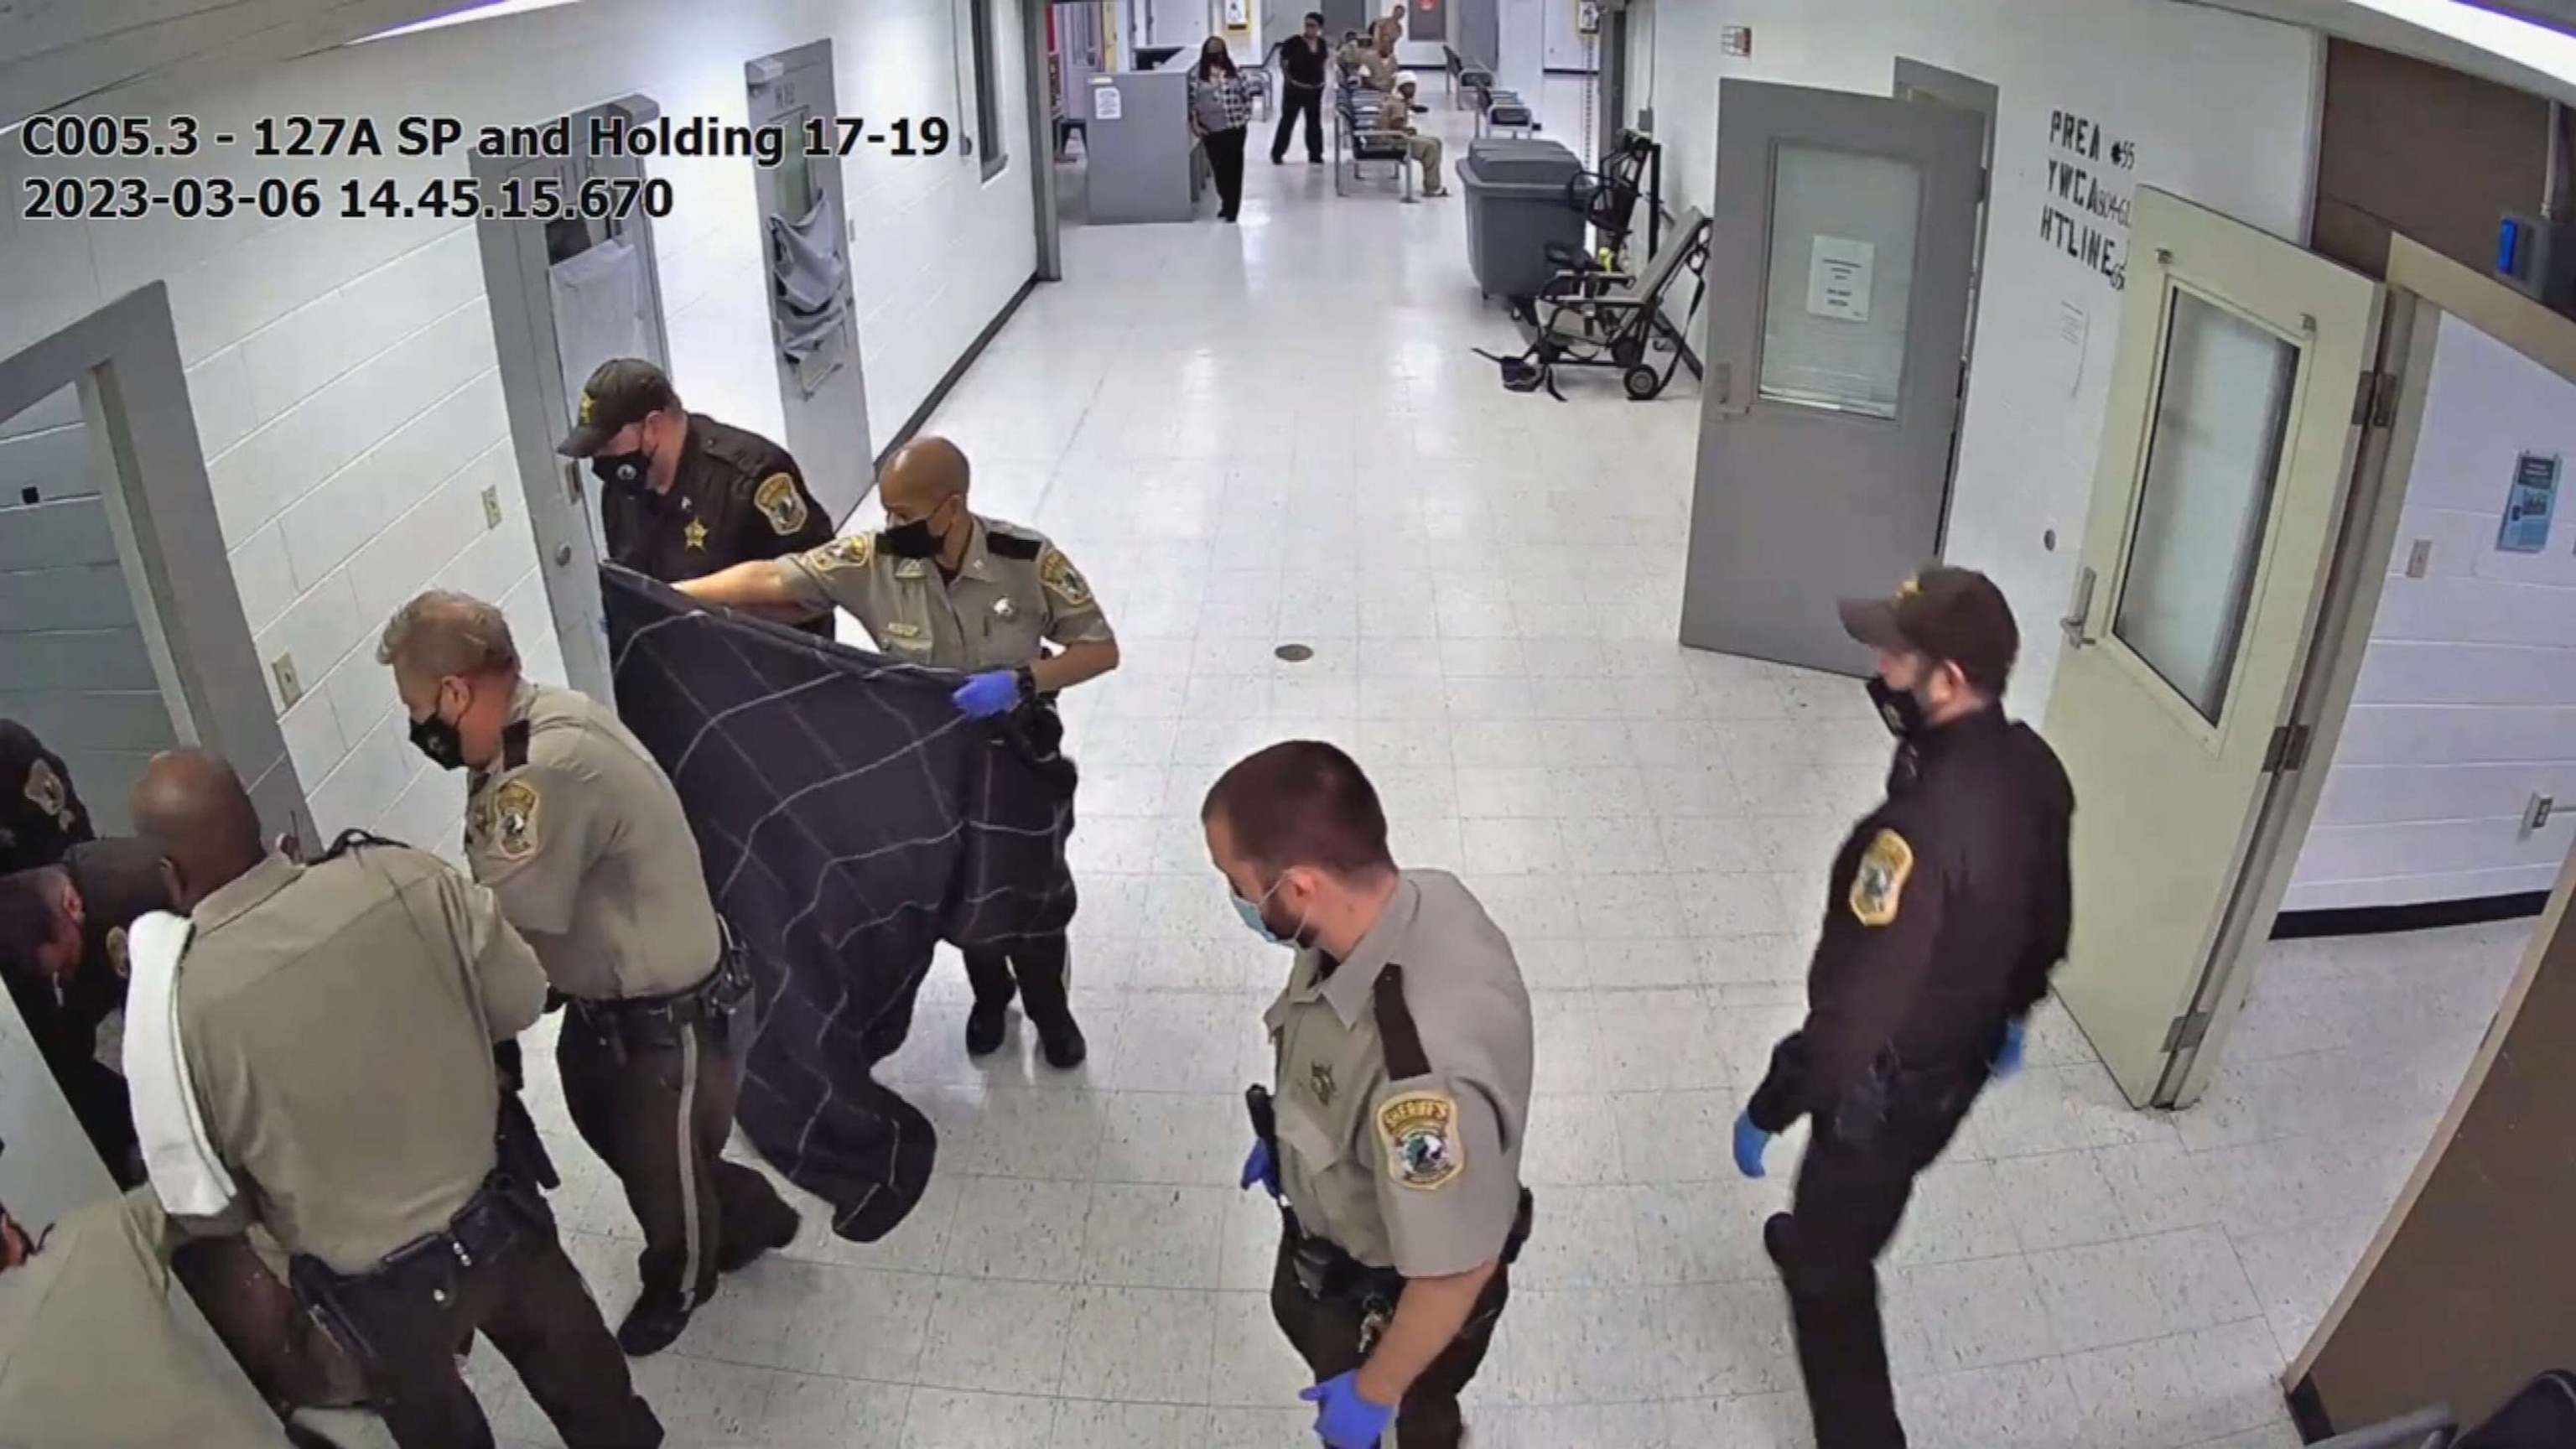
{"points": [[91, 1356], [338, 1022], [1393, 1140], [943, 586], [579, 833]]}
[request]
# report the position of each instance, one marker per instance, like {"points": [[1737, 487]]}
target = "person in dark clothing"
{"points": [[41, 815], [1220, 112], [1302, 62], [62, 949], [1950, 905], [685, 495]]}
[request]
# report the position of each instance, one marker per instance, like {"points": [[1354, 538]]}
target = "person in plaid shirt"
{"points": [[1220, 109]]}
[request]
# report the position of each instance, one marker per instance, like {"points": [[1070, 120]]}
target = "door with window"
{"points": [[1838, 274], [2227, 452], [568, 293]]}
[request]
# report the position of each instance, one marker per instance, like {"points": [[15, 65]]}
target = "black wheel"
{"points": [[1643, 382]]}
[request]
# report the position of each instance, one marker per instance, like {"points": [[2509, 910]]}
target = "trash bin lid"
{"points": [[1524, 159]]}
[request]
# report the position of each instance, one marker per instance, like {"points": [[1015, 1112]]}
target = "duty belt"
{"points": [[501, 1212], [650, 1020]]}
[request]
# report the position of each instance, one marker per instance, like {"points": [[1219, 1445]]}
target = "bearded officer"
{"points": [[943, 586], [1948, 908], [337, 1024], [682, 494], [579, 833], [1394, 1139]]}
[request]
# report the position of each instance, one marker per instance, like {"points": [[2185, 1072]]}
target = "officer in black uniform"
{"points": [[41, 815], [682, 494], [1948, 908]]}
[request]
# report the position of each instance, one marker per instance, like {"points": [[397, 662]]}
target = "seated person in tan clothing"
{"points": [[1397, 115]]}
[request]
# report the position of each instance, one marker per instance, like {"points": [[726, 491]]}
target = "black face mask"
{"points": [[1897, 708], [622, 470], [440, 740], [909, 540]]}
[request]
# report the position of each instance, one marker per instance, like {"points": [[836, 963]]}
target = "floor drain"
{"points": [[1294, 653]]}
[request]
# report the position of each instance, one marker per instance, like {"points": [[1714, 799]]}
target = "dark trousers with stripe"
{"points": [[1326, 1333], [657, 1109]]}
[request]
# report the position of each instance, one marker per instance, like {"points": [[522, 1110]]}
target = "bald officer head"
{"points": [[924, 493], [192, 808]]}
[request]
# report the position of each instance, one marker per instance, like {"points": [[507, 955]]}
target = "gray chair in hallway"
{"points": [[1359, 141]]}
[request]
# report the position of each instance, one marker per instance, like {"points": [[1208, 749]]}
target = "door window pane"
{"points": [[1841, 279], [2213, 453]]}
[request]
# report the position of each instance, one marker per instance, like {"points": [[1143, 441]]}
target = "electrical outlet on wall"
{"points": [[2419, 559], [290, 685], [492, 506]]}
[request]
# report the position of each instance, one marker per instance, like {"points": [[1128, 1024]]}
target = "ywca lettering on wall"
{"points": [[2090, 182]]}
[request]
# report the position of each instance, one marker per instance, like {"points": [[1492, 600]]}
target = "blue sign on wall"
{"points": [[2530, 505]]}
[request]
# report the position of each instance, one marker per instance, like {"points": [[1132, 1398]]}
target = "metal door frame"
{"points": [[1967, 93], [143, 441], [532, 392], [2421, 285], [1037, 20]]}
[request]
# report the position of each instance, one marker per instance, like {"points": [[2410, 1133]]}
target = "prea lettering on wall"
{"points": [[2090, 183]]}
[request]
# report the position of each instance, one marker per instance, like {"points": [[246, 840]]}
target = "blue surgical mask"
{"points": [[1251, 913]]}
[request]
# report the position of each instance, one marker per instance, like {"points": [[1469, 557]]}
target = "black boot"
{"points": [[651, 1326], [741, 1251], [1041, 967], [984, 1026], [989, 972]]}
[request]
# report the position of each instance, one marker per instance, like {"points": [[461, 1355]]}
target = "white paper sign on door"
{"points": [[1839, 273], [1107, 104]]}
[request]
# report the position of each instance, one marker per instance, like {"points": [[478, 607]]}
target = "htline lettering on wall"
{"points": [[2090, 183]]}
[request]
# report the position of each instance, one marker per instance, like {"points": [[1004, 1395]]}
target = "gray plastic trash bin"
{"points": [[1516, 205]]}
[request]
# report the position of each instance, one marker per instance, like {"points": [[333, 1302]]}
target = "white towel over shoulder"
{"points": [[187, 1176]]}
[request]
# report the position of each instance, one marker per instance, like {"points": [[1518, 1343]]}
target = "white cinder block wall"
{"points": [[2467, 701], [343, 373], [2220, 108]]}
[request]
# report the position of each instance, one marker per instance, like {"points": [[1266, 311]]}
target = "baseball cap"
{"points": [[1953, 614], [620, 391]]}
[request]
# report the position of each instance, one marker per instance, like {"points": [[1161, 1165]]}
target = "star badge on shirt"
{"points": [[696, 534]]}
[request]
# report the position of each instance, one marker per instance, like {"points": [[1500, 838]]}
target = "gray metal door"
{"points": [[819, 384], [1838, 283], [545, 281]]}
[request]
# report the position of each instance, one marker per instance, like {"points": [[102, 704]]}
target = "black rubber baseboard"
{"points": [[2308, 1412], [2424, 916], [957, 370]]}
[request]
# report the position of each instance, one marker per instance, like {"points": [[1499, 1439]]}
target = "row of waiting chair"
{"points": [[1498, 111]]}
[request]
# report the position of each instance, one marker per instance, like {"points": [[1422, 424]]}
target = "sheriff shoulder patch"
{"points": [[1062, 579], [854, 552], [514, 820], [1420, 1133], [45, 789], [120, 952], [779, 501], [1878, 885]]}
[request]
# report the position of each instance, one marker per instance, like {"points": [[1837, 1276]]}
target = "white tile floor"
{"points": [[1273, 432]]}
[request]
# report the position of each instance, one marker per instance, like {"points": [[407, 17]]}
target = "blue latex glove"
{"points": [[1262, 1168], [1343, 1419], [1749, 1144], [2008, 1057], [987, 694]]}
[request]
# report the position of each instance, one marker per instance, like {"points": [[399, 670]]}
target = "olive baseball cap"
{"points": [[1953, 614], [621, 391]]}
